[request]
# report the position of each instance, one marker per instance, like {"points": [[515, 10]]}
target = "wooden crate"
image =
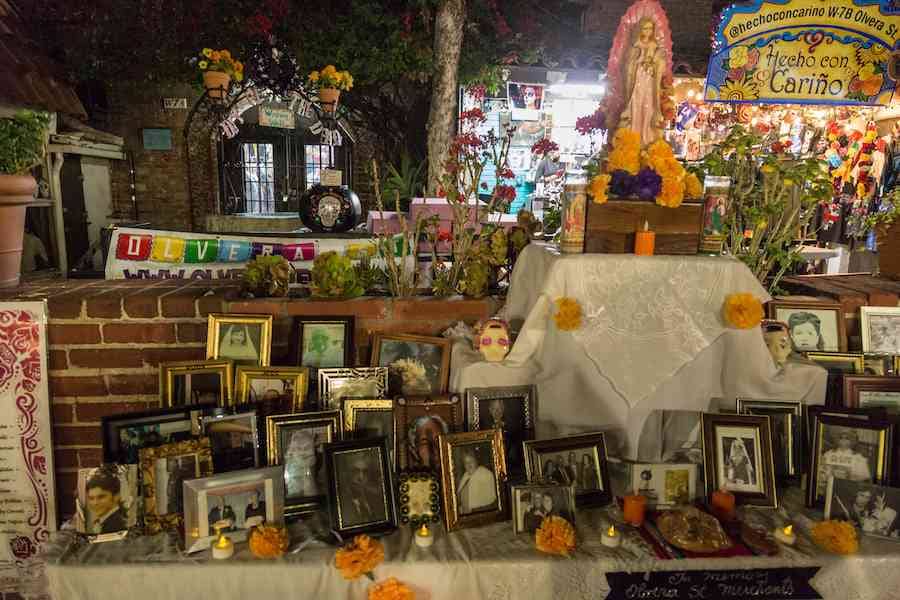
{"points": [[889, 251], [611, 226]]}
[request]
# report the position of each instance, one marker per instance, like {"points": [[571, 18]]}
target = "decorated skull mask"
{"points": [[492, 340]]}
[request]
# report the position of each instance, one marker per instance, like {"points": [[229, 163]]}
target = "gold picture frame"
{"points": [[199, 449], [454, 478], [356, 382], [168, 371], [244, 349], [435, 375], [856, 360], [356, 427], [298, 376]]}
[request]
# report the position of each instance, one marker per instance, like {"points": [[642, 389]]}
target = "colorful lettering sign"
{"points": [[265, 249], [232, 251], [805, 52], [201, 251], [133, 247], [167, 249]]}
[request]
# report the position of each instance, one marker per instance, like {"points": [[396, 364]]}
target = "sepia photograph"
{"points": [[363, 494], [242, 506], [871, 508], [473, 473], [813, 326], [421, 439], [880, 329], [422, 364], [245, 339], [531, 504], [107, 499], [847, 453], [577, 460]]}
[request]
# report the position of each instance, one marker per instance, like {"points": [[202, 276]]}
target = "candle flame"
{"points": [[611, 531], [223, 542], [789, 530], [423, 530]]}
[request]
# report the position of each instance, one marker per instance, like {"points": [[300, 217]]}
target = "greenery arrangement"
{"points": [[334, 276], [405, 180], [267, 276], [22, 141], [330, 77], [221, 61]]}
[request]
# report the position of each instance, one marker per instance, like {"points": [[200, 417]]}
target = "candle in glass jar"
{"points": [[634, 509], [722, 503], [644, 241]]}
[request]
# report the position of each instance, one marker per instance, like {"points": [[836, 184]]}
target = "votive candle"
{"points": [[634, 509], [644, 241], [611, 538], [786, 535], [424, 537], [722, 503]]}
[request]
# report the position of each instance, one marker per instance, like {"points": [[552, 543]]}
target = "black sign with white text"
{"points": [[759, 584]]}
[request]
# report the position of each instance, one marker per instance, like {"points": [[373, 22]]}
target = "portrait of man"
{"points": [[842, 456], [240, 342], [323, 345], [105, 511], [422, 441], [476, 488], [361, 492], [256, 506], [507, 415]]}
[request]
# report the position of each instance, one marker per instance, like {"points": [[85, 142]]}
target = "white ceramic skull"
{"points": [[492, 340]]}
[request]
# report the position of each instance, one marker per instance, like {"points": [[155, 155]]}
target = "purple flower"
{"points": [[648, 184], [622, 183]]}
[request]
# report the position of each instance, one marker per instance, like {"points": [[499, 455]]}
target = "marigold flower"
{"points": [[671, 194], [660, 149], [314, 76], [568, 314], [359, 557], [743, 311], [390, 589], [268, 541], [216, 56], [225, 54], [621, 159], [838, 537], [692, 186], [598, 188], [555, 536]]}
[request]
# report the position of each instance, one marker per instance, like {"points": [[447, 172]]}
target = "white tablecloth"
{"points": [[652, 338]]}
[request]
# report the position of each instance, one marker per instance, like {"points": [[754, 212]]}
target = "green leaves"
{"points": [[22, 141]]}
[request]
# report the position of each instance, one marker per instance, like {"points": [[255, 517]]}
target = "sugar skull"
{"points": [[492, 340]]}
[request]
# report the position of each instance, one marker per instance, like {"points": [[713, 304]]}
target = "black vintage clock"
{"points": [[330, 209]]}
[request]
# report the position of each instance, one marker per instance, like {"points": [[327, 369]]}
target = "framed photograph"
{"points": [[813, 326], [108, 501], [532, 503], [878, 364], [234, 440], [577, 460], [510, 409], [871, 508], [361, 488], [838, 364], [323, 342], [419, 421], [665, 485], [868, 391], [419, 499], [880, 329], [738, 457], [526, 100], [282, 386], [362, 382], [421, 363], [297, 442], [124, 435], [815, 411], [473, 478], [195, 382], [849, 449], [163, 470], [237, 501], [245, 339], [786, 419], [369, 418]]}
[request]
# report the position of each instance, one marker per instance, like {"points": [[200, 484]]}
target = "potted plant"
{"points": [[22, 147], [219, 68], [330, 82]]}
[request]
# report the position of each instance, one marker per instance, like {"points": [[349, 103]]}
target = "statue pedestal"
{"points": [[611, 227]]}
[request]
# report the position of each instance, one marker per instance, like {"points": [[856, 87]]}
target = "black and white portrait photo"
{"points": [[846, 453], [361, 487], [740, 462], [323, 345], [881, 329], [871, 508], [243, 506], [108, 497], [422, 440], [533, 503], [476, 480], [301, 452], [170, 473], [241, 342], [811, 329], [374, 423], [508, 415]]}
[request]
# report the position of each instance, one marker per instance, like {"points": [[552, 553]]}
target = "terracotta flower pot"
{"points": [[16, 192], [217, 83], [329, 98]]}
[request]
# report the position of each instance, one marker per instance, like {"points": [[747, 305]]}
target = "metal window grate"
{"points": [[258, 168], [318, 157]]}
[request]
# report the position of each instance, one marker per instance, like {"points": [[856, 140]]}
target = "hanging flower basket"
{"points": [[329, 98], [217, 82]]}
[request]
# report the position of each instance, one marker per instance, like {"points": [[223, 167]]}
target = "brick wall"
{"points": [[107, 338]]}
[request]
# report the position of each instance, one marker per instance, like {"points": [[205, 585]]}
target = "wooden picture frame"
{"points": [[300, 348], [418, 423], [464, 505], [430, 375], [787, 437], [224, 390], [248, 348], [201, 454], [149, 428], [280, 430], [297, 377], [880, 329], [591, 489], [562, 505], [817, 316], [361, 490], [816, 411], [748, 472], [419, 498], [356, 382], [856, 386], [880, 433]]}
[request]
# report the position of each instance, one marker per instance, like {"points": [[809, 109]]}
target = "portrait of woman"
{"points": [[740, 471], [301, 464], [805, 329], [588, 473]]}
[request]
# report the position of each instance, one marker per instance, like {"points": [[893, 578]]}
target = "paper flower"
{"points": [[692, 186], [390, 589], [739, 90], [359, 557], [555, 536], [838, 537], [598, 188], [742, 311], [568, 314], [622, 183]]}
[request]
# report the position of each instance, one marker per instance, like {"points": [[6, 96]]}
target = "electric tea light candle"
{"points": [[786, 535], [424, 537], [611, 538], [223, 547]]}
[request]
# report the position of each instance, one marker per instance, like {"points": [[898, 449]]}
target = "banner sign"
{"points": [[759, 584], [270, 116], [151, 254], [840, 52]]}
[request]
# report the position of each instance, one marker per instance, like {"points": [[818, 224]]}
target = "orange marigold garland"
{"points": [[743, 311], [838, 537], [555, 536], [359, 557], [568, 314], [390, 589]]}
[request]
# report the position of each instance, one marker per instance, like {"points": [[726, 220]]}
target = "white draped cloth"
{"points": [[652, 338]]}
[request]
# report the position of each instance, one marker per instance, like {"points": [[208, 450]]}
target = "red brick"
{"points": [[144, 333], [154, 356], [366, 327], [138, 383], [446, 309], [179, 304], [144, 305], [73, 334], [90, 457], [377, 308], [77, 386], [58, 360], [214, 303], [77, 435], [192, 332], [119, 358], [91, 412], [64, 306], [65, 458], [62, 413], [105, 306]]}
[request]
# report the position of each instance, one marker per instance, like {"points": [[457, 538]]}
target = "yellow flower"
{"points": [[838, 537], [203, 64], [239, 66], [860, 190], [739, 90], [738, 57], [598, 187], [876, 53], [215, 56], [627, 139], [390, 589], [568, 314], [692, 186], [207, 52], [555, 536], [238, 76], [329, 71], [314, 76], [660, 149], [671, 193], [359, 557], [742, 311], [767, 169], [624, 160], [225, 54], [866, 72]]}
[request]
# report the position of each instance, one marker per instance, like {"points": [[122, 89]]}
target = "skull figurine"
{"points": [[492, 339]]}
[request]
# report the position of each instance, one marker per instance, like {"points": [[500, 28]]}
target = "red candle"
{"points": [[634, 509], [722, 503], [644, 241]]}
